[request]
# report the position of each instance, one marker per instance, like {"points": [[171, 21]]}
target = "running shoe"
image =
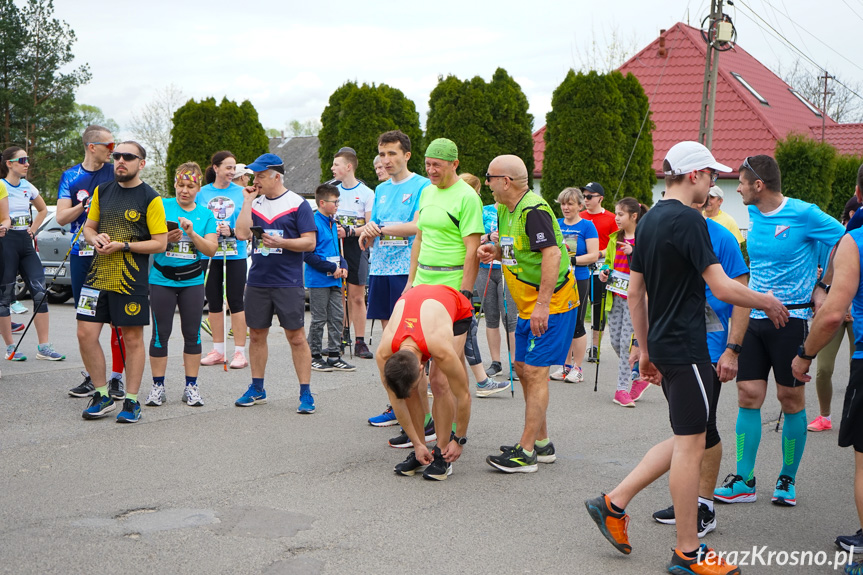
{"points": [[231, 332], [490, 387], [855, 568], [820, 423], [131, 412], [784, 494], [612, 525], [402, 441], [213, 358], [410, 466], [494, 369], [386, 419], [115, 389], [239, 361], [637, 390], [622, 398], [205, 325], [100, 406], [543, 454], [439, 469], [46, 351], [13, 355], [16, 327], [338, 364], [18, 307], [846, 542], [362, 350], [512, 376], [735, 490], [251, 397], [706, 518], [592, 355], [320, 364], [575, 375], [706, 562], [193, 398], [513, 460], [157, 396], [561, 373], [307, 402], [86, 389]]}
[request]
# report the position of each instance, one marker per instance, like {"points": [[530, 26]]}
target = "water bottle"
{"points": [[636, 373]]}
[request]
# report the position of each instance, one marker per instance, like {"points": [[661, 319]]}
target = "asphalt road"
{"points": [[264, 490]]}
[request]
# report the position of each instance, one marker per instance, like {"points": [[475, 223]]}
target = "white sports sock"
{"points": [[708, 502], [240, 349], [219, 347]]}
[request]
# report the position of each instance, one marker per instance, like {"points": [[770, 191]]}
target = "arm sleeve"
{"points": [[590, 230], [539, 228], [156, 221], [93, 214]]}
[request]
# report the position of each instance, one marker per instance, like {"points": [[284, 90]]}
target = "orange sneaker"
{"points": [[213, 358], [706, 562], [820, 423], [239, 361], [612, 525]]}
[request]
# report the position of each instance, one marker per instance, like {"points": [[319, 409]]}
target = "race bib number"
{"points": [[618, 282], [87, 301], [182, 250], [20, 222], [507, 248], [392, 241], [260, 248], [335, 260], [85, 249], [347, 220], [227, 247], [712, 320]]}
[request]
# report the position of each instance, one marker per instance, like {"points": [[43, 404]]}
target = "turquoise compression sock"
{"points": [[748, 434], [793, 442]]}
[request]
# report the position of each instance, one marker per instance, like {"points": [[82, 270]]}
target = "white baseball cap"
{"points": [[715, 191], [684, 157], [242, 170]]}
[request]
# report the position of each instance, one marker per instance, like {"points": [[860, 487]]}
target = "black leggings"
{"points": [[163, 301], [235, 287], [584, 297], [20, 255]]}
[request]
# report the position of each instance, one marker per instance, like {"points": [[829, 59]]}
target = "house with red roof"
{"points": [[754, 107]]}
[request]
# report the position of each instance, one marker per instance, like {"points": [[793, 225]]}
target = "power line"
{"points": [[852, 9]]}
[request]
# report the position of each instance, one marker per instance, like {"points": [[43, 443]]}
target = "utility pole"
{"points": [[711, 67], [825, 77]]}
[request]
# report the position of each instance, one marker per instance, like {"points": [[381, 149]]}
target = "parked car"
{"points": [[52, 243]]}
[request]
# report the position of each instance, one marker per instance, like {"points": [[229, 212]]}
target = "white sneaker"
{"points": [[193, 398], [574, 376], [560, 374], [157, 396]]}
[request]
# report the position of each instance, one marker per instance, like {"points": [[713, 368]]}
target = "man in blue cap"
{"points": [[281, 226]]}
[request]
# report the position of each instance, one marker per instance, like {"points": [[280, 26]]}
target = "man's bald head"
{"points": [[512, 166]]}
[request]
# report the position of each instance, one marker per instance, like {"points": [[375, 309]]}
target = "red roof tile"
{"points": [[846, 138]]}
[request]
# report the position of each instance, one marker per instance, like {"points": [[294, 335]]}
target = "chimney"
{"points": [[662, 51], [283, 135]]}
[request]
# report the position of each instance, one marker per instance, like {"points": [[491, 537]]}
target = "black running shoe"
{"points": [[543, 454], [665, 516], [846, 542], [410, 466], [592, 355], [494, 369], [319, 364], [706, 518], [402, 441], [338, 364], [362, 350], [115, 389], [86, 389], [439, 468]]}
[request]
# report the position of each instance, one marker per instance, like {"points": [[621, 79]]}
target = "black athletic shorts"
{"points": [[111, 307], [289, 303], [358, 262], [689, 391], [851, 427], [234, 287], [765, 347]]}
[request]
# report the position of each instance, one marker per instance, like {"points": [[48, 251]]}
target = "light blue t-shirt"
{"points": [[225, 205], [730, 257], [395, 203], [576, 236], [857, 303], [183, 252], [783, 250], [20, 197]]}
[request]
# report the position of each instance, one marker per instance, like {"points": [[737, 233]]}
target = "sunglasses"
{"points": [[591, 196], [712, 173], [22, 161], [747, 165], [127, 157], [109, 145], [490, 176]]}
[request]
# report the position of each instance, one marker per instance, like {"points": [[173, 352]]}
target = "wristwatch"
{"points": [[801, 353], [126, 247], [457, 439], [823, 286], [735, 347], [467, 293]]}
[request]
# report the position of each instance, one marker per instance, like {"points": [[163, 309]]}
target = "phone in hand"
{"points": [[172, 226], [258, 232]]}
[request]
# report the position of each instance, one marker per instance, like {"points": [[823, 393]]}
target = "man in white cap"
{"points": [[712, 210], [674, 259]]}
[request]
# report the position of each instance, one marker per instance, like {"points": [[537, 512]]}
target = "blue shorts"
{"points": [[552, 347], [384, 292]]}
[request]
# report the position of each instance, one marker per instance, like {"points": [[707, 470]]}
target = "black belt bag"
{"points": [[180, 273]]}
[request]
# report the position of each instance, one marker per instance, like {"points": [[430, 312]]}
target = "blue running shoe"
{"points": [[100, 406], [784, 494], [307, 402], [46, 351], [385, 419], [854, 568], [131, 412], [16, 327], [490, 387], [735, 490], [251, 397], [10, 349]]}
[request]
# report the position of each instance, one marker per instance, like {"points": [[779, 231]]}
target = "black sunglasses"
{"points": [[490, 176], [748, 166], [127, 157], [591, 196]]}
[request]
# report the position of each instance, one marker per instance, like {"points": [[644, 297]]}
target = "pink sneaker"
{"points": [[820, 423], [213, 358], [239, 361], [622, 398], [637, 390]]}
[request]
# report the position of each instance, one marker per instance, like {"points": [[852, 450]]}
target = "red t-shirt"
{"points": [[605, 225]]}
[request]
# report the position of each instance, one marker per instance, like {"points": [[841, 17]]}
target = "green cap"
{"points": [[442, 149]]}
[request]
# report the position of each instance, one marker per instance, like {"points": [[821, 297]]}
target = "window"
{"points": [[806, 103], [752, 90]]}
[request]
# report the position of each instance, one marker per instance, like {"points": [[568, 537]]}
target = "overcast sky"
{"points": [[287, 57]]}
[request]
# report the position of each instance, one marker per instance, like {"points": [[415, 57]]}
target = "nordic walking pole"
{"points": [[347, 323], [372, 332], [225, 304], [778, 421], [599, 341], [506, 328], [120, 346], [45, 294]]}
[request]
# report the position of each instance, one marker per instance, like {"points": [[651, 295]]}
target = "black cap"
{"points": [[594, 188]]}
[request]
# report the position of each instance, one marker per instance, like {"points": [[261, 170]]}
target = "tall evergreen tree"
{"points": [[844, 184], [637, 143], [808, 169]]}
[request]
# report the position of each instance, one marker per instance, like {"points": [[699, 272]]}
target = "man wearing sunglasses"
{"points": [[76, 188], [783, 244], [125, 224], [605, 224]]}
